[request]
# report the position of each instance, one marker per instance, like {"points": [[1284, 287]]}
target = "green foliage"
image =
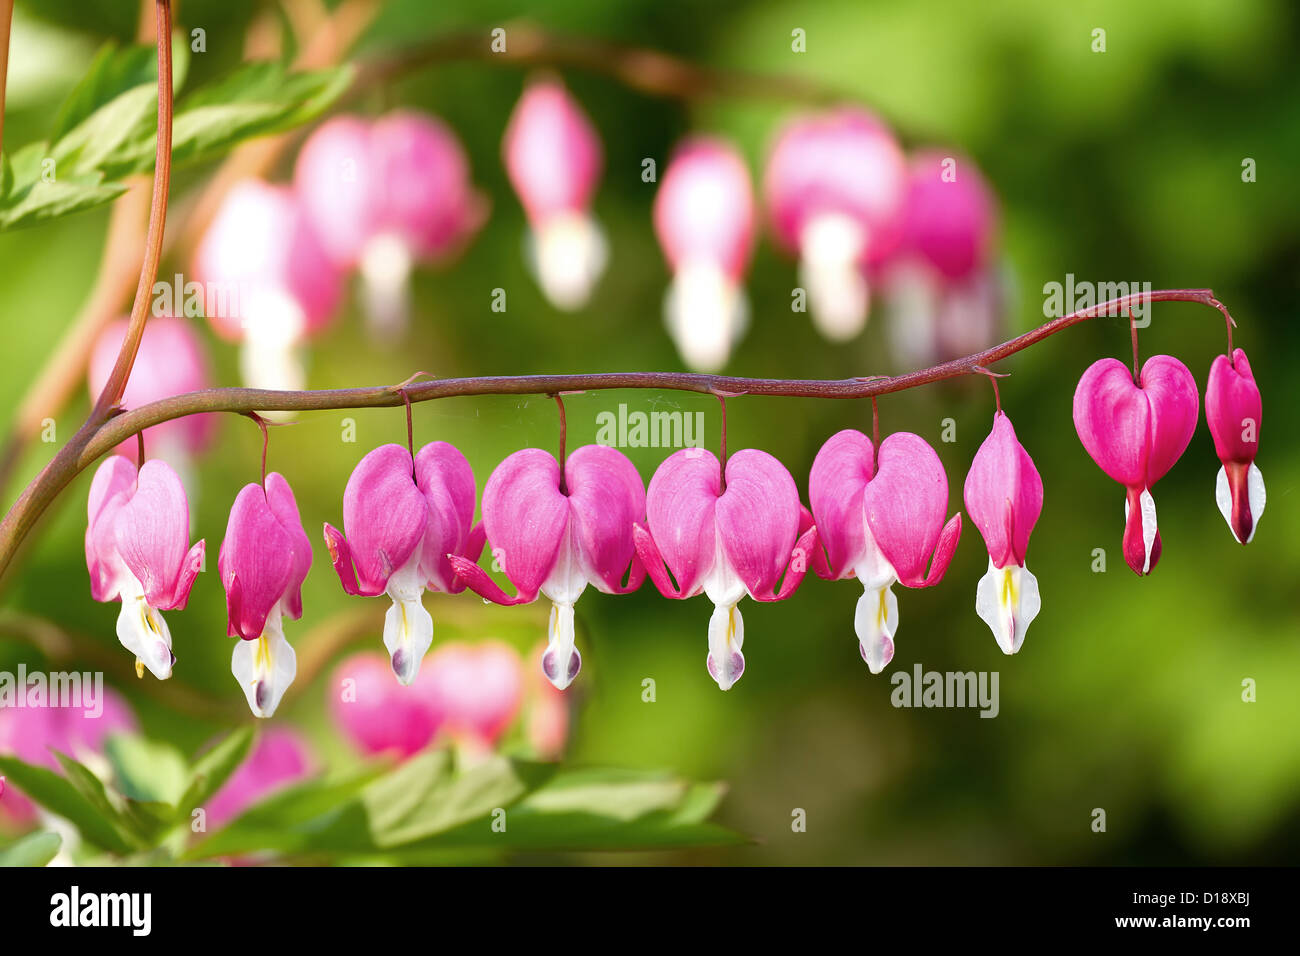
{"points": [[106, 128], [35, 849], [429, 807]]}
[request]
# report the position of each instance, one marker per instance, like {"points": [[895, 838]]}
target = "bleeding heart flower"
{"points": [[941, 283], [136, 551], [726, 543], [834, 187], [556, 538], [402, 520], [33, 730], [1135, 433], [263, 561], [881, 523], [172, 360], [267, 282], [1234, 410], [377, 715], [382, 195], [1004, 497], [553, 157], [280, 757], [475, 689], [704, 218]]}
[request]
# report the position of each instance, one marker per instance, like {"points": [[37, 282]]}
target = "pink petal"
{"points": [[256, 563], [680, 515], [1004, 494], [905, 503], [552, 152], [280, 757], [949, 221], [1113, 420], [1175, 407], [606, 497], [525, 516], [758, 519], [839, 477], [446, 481], [704, 209], [652, 563], [1231, 400], [151, 533], [384, 517], [282, 502], [114, 481]]}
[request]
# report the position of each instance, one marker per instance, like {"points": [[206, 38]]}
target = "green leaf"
{"points": [[63, 799], [257, 99], [35, 849], [43, 201], [114, 71], [211, 770], [147, 770]]}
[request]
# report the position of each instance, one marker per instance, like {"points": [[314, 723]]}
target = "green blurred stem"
{"points": [[97, 438]]}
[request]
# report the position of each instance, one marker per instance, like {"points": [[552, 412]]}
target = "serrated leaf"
{"points": [[42, 201], [35, 849], [62, 798], [147, 770], [257, 99], [213, 768]]}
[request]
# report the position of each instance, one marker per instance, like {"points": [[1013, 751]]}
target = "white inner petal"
{"points": [[1148, 505], [1255, 495], [725, 662], [142, 630], [385, 267], [265, 667], [706, 314], [568, 254], [1007, 600], [830, 248], [408, 628], [876, 621]]}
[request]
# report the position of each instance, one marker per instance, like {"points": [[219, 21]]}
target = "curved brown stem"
{"points": [[98, 436]]}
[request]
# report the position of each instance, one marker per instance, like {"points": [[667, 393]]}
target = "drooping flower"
{"points": [[555, 536], [268, 283], [280, 757], [1233, 410], [377, 715], [1135, 433], [264, 558], [941, 282], [383, 195], [172, 360], [704, 219], [402, 520], [882, 521], [136, 551], [725, 543], [1004, 497], [553, 157], [834, 187], [34, 731], [475, 690]]}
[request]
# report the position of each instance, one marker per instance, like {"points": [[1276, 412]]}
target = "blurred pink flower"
{"points": [[475, 690], [704, 218], [32, 734], [944, 293], [553, 157], [267, 282], [377, 714], [834, 188], [384, 194], [280, 757], [137, 552], [172, 360]]}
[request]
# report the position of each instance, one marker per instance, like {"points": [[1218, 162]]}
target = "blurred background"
{"points": [[1117, 166]]}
